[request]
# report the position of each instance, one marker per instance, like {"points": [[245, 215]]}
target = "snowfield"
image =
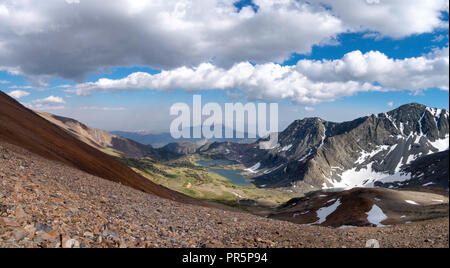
{"points": [[442, 144], [376, 216], [359, 178], [397, 177], [323, 213]]}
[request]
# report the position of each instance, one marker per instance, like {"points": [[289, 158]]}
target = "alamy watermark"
{"points": [[210, 121]]}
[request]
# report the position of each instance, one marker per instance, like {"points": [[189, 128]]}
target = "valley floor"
{"points": [[48, 204], [186, 176]]}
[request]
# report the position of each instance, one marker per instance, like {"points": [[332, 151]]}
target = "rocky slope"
{"points": [[315, 154], [364, 207], [24, 128], [46, 203], [101, 139]]}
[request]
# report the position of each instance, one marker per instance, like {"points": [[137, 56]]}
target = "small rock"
{"points": [[18, 235], [42, 227], [42, 236], [111, 234], [20, 213], [9, 222], [30, 230], [3, 210], [88, 235], [71, 243]]}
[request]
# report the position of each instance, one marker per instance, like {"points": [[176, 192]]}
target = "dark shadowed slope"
{"points": [[22, 127], [428, 171]]}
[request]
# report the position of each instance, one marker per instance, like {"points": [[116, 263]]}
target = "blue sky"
{"points": [[140, 107]]}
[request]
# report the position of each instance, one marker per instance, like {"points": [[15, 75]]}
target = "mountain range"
{"points": [[159, 140], [387, 149], [316, 154]]}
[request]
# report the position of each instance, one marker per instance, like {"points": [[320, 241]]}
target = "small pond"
{"points": [[233, 175]]}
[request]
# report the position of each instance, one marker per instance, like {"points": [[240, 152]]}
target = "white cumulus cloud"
{"points": [[46, 39], [392, 18], [428, 71], [50, 100], [18, 94], [50, 103], [308, 82]]}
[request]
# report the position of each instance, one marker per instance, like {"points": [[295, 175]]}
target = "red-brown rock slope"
{"points": [[24, 128]]}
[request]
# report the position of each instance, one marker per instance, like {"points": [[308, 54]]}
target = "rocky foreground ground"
{"points": [[47, 204]]}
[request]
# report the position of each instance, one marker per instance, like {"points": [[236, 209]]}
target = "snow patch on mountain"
{"points": [[254, 169], [368, 155], [397, 177], [323, 213], [324, 136], [437, 113], [359, 178], [441, 144], [420, 124], [366, 176], [376, 216], [306, 156]]}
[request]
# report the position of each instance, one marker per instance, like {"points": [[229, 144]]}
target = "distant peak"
{"points": [[413, 105], [410, 107], [311, 119], [420, 108]]}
